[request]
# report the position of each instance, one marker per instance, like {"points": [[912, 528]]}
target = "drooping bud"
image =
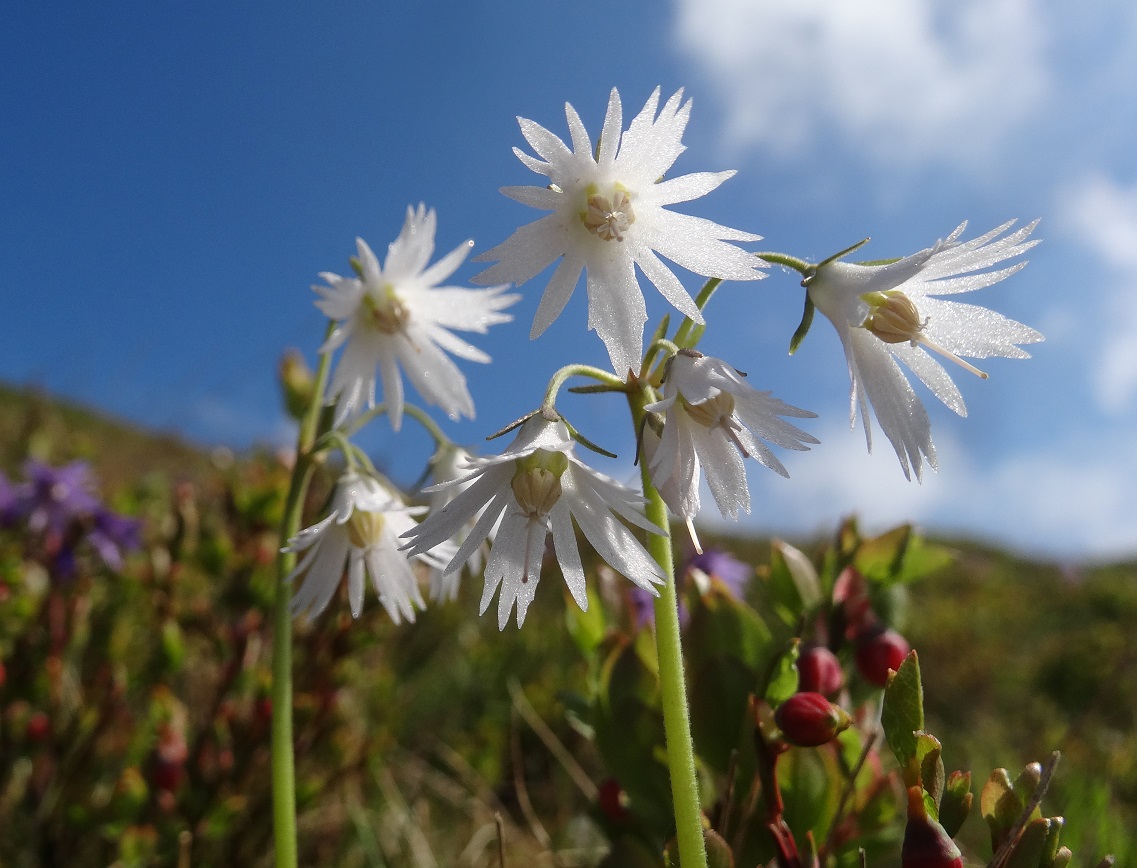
{"points": [[819, 671], [296, 382], [926, 844], [809, 719], [877, 651]]}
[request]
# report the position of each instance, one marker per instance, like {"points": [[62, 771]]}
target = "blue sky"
{"points": [[173, 177]]}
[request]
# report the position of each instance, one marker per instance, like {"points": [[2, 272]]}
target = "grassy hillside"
{"points": [[414, 724]]}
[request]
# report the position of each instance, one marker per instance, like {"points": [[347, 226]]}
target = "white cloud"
{"points": [[904, 80], [1103, 216], [1060, 500]]}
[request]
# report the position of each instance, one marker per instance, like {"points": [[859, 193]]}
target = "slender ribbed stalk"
{"points": [[283, 759], [672, 682]]}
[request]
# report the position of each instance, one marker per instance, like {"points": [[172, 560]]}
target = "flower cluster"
{"points": [[62, 512], [698, 417]]}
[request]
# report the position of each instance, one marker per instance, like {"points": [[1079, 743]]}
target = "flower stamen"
{"points": [[895, 320], [364, 529], [386, 313], [608, 219]]}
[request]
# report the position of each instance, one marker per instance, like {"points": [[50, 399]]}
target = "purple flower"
{"points": [[112, 534], [723, 566], [712, 563], [61, 510], [9, 502], [55, 497]]}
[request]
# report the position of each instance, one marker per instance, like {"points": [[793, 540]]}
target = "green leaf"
{"points": [[1028, 850], [587, 629], [794, 578], [903, 715], [899, 557], [783, 679], [723, 626], [999, 805], [931, 768], [956, 802]]}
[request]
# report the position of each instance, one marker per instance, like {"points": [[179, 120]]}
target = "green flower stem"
{"points": [[283, 759], [672, 684], [798, 265], [562, 376], [415, 412], [683, 334]]}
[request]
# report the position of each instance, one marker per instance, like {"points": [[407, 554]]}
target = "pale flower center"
{"points": [[537, 482], [895, 320], [364, 529], [608, 218], [385, 311], [712, 412]]}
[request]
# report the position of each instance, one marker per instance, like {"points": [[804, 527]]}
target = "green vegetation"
{"points": [[134, 707]]}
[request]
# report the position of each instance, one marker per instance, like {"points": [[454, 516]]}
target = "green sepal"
{"points": [[804, 325], [902, 716]]}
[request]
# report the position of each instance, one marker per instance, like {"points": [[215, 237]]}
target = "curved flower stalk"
{"points": [[361, 531], [537, 486], [609, 216], [712, 420], [885, 313], [396, 314]]}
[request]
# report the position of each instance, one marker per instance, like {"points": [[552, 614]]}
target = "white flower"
{"points": [[397, 314], [537, 486], [450, 469], [609, 216], [889, 312], [713, 419], [362, 532]]}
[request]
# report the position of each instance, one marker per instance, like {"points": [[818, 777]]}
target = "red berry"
{"points": [[38, 728], [809, 719], [926, 844], [819, 671], [878, 651], [613, 801]]}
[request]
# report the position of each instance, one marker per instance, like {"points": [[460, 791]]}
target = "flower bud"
{"points": [[926, 844], [613, 801], [809, 719], [877, 651], [819, 671]]}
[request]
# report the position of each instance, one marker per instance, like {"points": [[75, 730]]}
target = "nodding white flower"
{"points": [[609, 216], [888, 312], [537, 486], [397, 314], [361, 531], [713, 419], [450, 469]]}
